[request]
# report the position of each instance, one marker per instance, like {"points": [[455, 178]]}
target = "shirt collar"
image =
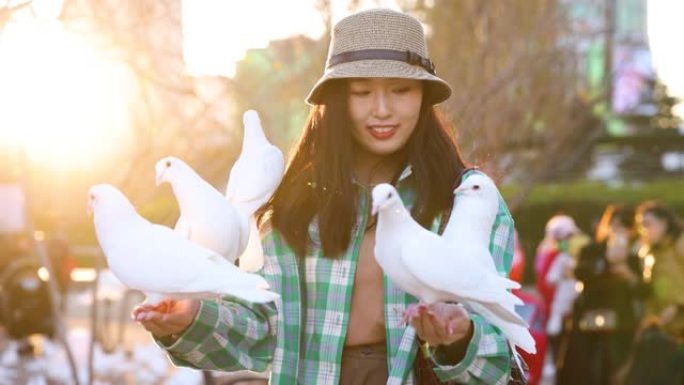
{"points": [[406, 173]]}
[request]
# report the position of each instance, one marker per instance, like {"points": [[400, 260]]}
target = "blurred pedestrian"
{"points": [[663, 255], [554, 264], [561, 234], [605, 315]]}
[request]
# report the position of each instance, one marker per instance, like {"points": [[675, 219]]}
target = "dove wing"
{"points": [[159, 260], [254, 177], [434, 262], [253, 257], [182, 227]]}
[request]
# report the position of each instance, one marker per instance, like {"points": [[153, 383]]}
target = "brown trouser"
{"points": [[364, 365]]}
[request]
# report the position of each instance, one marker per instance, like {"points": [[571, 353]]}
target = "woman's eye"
{"points": [[360, 92], [402, 90]]}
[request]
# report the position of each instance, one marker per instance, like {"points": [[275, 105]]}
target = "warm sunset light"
{"points": [[62, 102]]}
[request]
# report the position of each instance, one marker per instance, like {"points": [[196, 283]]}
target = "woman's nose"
{"points": [[381, 105]]}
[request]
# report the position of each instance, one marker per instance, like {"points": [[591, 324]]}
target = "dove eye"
{"points": [[168, 163], [476, 187], [389, 195]]}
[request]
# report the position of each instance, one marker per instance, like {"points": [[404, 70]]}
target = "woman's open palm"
{"points": [[168, 318]]}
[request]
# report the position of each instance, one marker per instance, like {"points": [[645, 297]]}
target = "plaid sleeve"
{"points": [[228, 335], [487, 359]]}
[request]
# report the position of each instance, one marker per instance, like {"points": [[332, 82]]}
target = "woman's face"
{"points": [[384, 112], [652, 228]]}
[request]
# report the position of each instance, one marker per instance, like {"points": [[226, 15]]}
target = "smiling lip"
{"points": [[383, 131]]}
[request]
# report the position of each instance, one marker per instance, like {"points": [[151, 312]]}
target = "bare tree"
{"points": [[8, 9], [172, 113], [517, 104]]}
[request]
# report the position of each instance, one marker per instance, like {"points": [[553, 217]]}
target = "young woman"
{"points": [[372, 120], [663, 253]]}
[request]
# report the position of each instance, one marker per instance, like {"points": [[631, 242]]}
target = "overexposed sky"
{"points": [[217, 33]]}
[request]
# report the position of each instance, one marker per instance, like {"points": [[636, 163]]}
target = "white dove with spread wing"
{"points": [[160, 262]]}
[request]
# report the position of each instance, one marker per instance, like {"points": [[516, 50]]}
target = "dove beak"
{"points": [[159, 178]]}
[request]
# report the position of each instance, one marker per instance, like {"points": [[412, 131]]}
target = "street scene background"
{"points": [[571, 106]]}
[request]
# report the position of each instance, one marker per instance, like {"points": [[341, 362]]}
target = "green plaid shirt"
{"points": [[234, 335]]}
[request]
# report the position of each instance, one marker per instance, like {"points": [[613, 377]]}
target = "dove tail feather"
{"points": [[507, 315], [508, 283], [492, 294], [517, 335]]}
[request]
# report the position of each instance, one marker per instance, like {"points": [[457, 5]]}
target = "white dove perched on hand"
{"points": [[436, 269], [206, 216], [476, 205], [253, 179], [160, 262]]}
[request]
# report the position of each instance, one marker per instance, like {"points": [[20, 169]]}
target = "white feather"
{"points": [[161, 263], [456, 267], [206, 216]]}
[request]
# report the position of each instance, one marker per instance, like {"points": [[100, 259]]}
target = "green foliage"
{"points": [[601, 193], [275, 81], [585, 202]]}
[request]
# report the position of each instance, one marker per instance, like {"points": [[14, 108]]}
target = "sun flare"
{"points": [[62, 102]]}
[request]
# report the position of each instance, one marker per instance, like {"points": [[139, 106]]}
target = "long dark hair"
{"points": [[318, 180]]}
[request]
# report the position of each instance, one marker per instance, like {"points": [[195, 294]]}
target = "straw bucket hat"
{"points": [[380, 43]]}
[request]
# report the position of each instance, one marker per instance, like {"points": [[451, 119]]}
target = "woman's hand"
{"points": [[443, 324], [168, 318]]}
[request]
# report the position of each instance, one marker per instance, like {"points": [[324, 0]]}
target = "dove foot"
{"points": [[412, 311], [153, 300]]}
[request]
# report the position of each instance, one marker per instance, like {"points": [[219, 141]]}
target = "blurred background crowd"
{"points": [[608, 304], [574, 107]]}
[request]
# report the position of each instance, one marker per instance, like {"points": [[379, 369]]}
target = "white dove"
{"points": [[258, 170], [253, 179], [476, 205], [159, 262], [435, 269], [206, 216]]}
